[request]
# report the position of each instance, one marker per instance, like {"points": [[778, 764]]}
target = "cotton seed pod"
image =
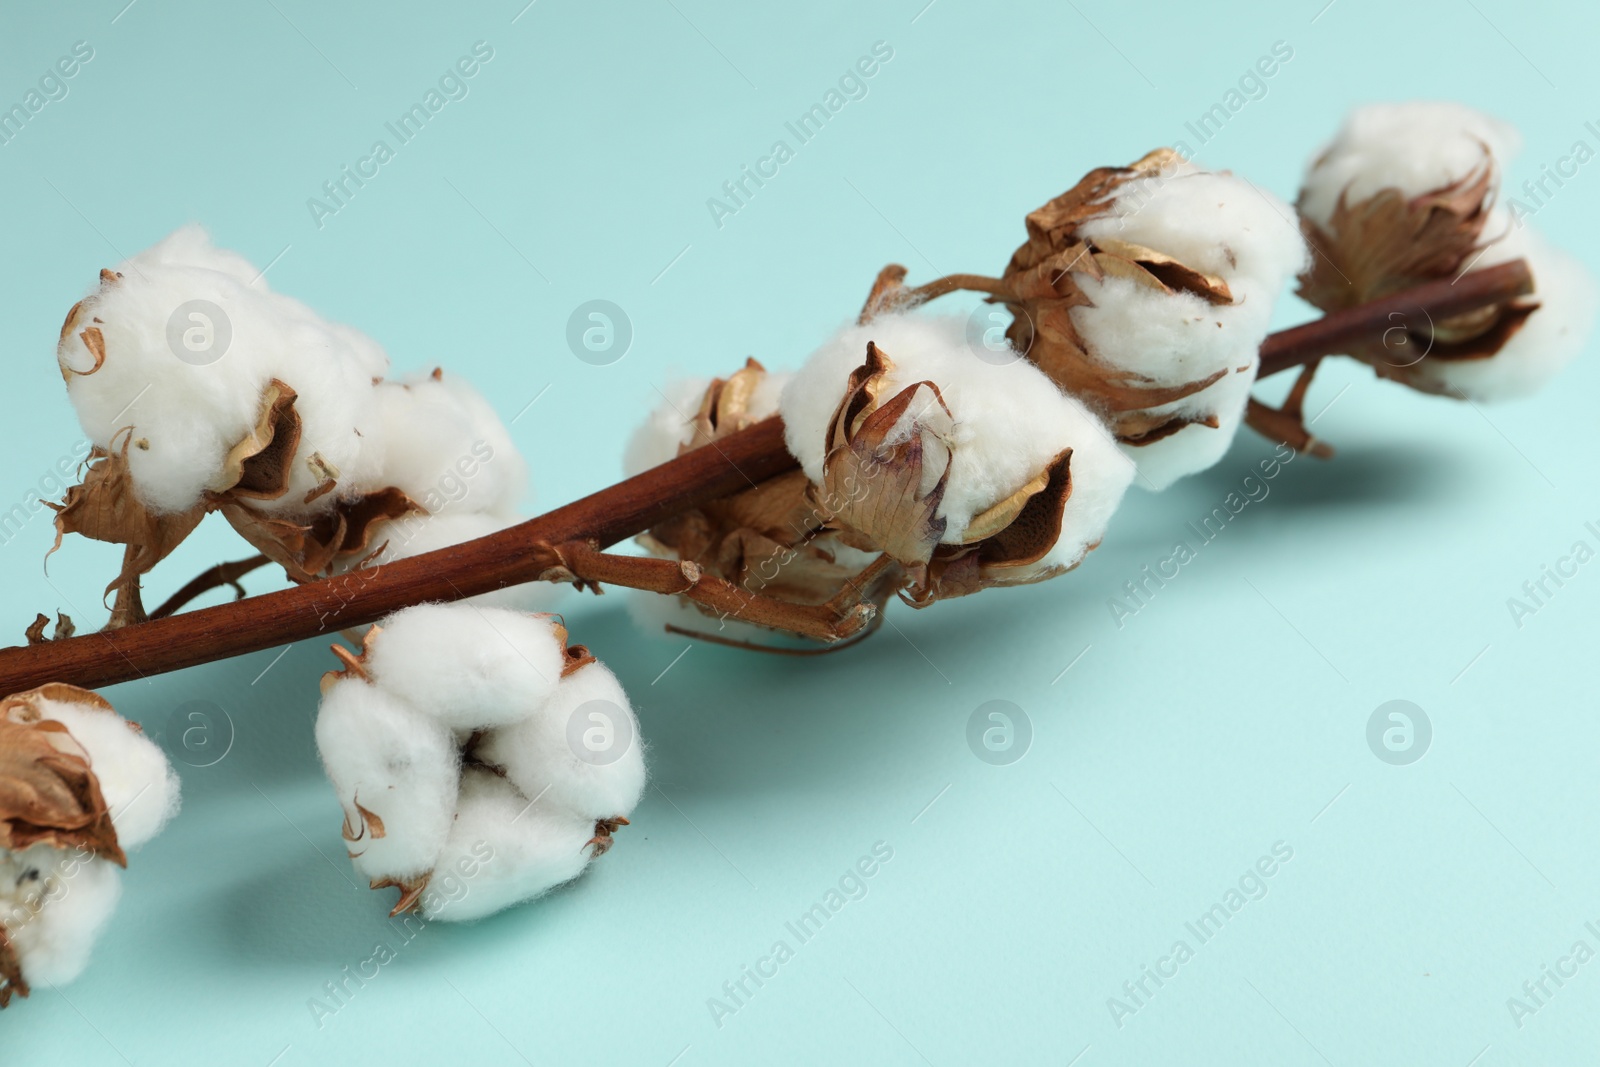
{"points": [[1145, 291], [769, 538], [79, 787], [1409, 193], [455, 741], [969, 474]]}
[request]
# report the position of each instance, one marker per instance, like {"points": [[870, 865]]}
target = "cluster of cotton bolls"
{"points": [[83, 787], [1411, 191], [480, 761], [220, 394]]}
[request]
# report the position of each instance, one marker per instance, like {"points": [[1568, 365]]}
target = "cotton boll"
{"points": [[1566, 294], [1415, 147], [53, 905], [444, 446], [396, 772], [140, 788], [516, 849], [580, 752], [161, 323], [468, 667], [1218, 224], [1010, 420]]}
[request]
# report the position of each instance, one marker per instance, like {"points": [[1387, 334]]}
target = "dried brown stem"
{"points": [[209, 579], [1414, 309], [494, 562], [833, 621]]}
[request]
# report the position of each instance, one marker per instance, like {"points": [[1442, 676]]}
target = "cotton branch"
{"points": [[521, 553]]}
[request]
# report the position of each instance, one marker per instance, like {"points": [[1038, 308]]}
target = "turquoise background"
{"points": [[1228, 715]]}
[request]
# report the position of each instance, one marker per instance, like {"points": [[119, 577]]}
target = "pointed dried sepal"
{"points": [[354, 666], [724, 409], [11, 980], [411, 890], [105, 507], [603, 831], [1007, 545], [886, 466]]}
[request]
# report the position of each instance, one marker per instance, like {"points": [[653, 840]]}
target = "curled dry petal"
{"points": [[886, 466]]}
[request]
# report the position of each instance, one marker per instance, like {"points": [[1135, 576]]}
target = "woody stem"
{"points": [[209, 579], [951, 283], [510, 557], [1413, 310]]}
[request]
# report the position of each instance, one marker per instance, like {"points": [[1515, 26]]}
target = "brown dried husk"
{"points": [[49, 793], [1002, 546], [11, 980], [1042, 288]]}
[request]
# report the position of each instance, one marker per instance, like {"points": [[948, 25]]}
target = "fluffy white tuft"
{"points": [[140, 787], [581, 753], [53, 904], [1010, 421], [1415, 147], [386, 758], [446, 448], [466, 666], [530, 849], [185, 415]]}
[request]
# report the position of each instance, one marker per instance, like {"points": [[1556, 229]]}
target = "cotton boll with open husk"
{"points": [[475, 744], [967, 473], [1409, 193], [1146, 291]]}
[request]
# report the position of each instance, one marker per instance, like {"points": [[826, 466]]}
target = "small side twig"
{"points": [[209, 579]]}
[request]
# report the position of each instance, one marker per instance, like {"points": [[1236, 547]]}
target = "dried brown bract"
{"points": [[48, 790]]}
